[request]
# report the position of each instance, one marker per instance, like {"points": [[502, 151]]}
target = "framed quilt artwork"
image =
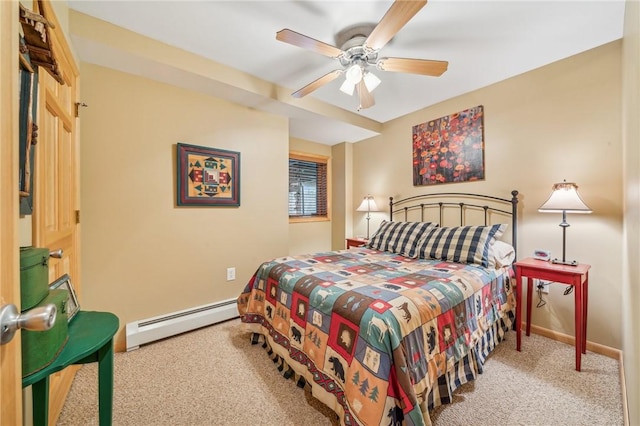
{"points": [[449, 149], [207, 176]]}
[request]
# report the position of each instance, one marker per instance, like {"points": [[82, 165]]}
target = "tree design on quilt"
{"points": [[373, 395], [364, 387], [313, 338]]}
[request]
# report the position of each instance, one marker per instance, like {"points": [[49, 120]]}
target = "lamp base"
{"points": [[565, 262]]}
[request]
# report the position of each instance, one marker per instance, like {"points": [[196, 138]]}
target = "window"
{"points": [[308, 187]]}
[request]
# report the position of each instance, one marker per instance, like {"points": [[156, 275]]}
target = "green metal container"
{"points": [[34, 276], [40, 348]]}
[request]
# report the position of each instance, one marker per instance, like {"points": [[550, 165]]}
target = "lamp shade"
{"points": [[347, 87], [354, 74], [367, 205], [564, 198], [371, 81]]}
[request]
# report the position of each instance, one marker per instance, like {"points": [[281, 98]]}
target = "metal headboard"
{"points": [[478, 202]]}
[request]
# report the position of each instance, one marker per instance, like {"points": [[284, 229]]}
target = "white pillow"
{"points": [[502, 253]]}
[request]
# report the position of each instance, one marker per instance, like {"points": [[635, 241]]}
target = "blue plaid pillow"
{"points": [[399, 237], [462, 244]]}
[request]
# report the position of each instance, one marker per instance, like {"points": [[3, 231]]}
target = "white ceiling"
{"points": [[483, 41]]}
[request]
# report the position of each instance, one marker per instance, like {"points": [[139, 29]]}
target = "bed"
{"points": [[384, 333]]}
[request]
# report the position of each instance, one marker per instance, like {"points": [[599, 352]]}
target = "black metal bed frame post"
{"points": [[514, 221]]}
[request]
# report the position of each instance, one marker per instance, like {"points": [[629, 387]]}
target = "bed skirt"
{"points": [[295, 365]]}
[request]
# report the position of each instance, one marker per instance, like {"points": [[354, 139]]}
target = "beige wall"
{"points": [[342, 184], [631, 150], [142, 255], [309, 237], [559, 122]]}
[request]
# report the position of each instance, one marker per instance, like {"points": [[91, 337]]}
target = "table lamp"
{"points": [[368, 205], [564, 199]]}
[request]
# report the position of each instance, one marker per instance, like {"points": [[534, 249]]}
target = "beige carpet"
{"points": [[214, 376]]}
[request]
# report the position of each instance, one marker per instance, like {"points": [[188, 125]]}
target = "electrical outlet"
{"points": [[231, 274], [543, 286]]}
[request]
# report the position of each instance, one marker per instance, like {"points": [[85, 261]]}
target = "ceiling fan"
{"points": [[359, 48]]}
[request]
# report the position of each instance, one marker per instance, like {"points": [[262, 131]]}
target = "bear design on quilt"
{"points": [[337, 368], [297, 336], [396, 416]]}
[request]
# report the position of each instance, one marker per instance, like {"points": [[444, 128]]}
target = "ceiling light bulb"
{"points": [[371, 81], [347, 87], [354, 74]]}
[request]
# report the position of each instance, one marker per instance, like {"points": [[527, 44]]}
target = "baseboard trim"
{"points": [[571, 340], [593, 347], [623, 388]]}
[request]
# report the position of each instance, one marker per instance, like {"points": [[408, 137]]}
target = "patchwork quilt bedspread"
{"points": [[381, 338]]}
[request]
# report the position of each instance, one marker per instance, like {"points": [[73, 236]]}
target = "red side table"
{"points": [[576, 276], [355, 242]]}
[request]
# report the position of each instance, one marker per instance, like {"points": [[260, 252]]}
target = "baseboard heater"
{"points": [[160, 327]]}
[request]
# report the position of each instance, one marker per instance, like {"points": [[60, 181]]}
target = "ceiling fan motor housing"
{"points": [[354, 35]]}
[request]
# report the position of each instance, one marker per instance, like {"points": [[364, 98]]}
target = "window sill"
{"points": [[308, 219]]}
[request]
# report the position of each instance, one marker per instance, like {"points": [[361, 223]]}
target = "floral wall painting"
{"points": [[207, 176], [449, 149]]}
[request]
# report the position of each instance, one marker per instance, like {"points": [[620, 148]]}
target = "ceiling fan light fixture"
{"points": [[371, 81], [347, 87], [354, 74], [358, 49]]}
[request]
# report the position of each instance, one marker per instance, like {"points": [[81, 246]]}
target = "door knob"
{"points": [[37, 319], [56, 253]]}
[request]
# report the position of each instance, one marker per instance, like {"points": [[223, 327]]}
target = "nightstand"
{"points": [[355, 242], [90, 340], [576, 276]]}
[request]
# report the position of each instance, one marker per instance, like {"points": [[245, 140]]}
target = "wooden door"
{"points": [[55, 179], [10, 358], [56, 182]]}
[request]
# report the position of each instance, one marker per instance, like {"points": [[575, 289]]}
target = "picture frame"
{"points": [[207, 177], [449, 149], [72, 306]]}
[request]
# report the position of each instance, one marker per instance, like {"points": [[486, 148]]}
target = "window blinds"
{"points": [[307, 188]]}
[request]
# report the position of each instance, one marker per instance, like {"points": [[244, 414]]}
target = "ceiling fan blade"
{"points": [[396, 17], [301, 40], [317, 84], [413, 66], [364, 96]]}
